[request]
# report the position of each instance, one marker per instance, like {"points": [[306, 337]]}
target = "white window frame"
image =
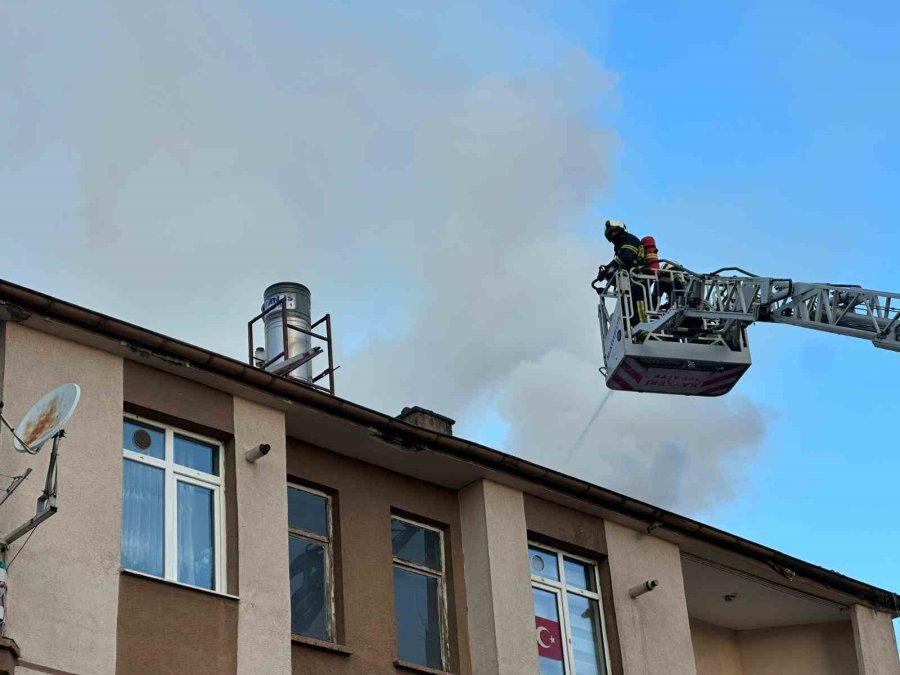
{"points": [[330, 632], [175, 473], [560, 590], [440, 575]]}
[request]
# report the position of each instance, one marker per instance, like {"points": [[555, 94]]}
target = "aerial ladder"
{"points": [[674, 331]]}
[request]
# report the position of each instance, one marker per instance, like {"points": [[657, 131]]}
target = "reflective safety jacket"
{"points": [[629, 254]]}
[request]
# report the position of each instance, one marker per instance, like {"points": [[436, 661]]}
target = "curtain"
{"points": [[143, 530], [196, 553]]}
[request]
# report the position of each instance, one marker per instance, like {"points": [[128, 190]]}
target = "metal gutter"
{"points": [[19, 301]]}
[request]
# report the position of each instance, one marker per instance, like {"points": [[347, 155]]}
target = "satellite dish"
{"points": [[46, 418]]}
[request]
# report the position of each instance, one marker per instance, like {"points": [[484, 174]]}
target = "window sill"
{"points": [[325, 646], [416, 668], [169, 582]]}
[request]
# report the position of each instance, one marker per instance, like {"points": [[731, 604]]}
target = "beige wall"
{"points": [[654, 632], [151, 612], [498, 581], [264, 619], [582, 534], [178, 401], [168, 399], [813, 649], [876, 643], [574, 531], [64, 586], [717, 651]]}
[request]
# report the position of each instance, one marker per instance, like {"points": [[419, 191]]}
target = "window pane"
{"points": [[144, 439], [579, 575], [196, 541], [548, 633], [417, 608], [543, 563], [584, 615], [309, 609], [142, 518], [416, 544], [196, 455], [307, 511]]}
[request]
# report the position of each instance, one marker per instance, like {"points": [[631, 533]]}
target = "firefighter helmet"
{"points": [[613, 227]]}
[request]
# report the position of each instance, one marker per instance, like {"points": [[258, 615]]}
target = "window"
{"points": [[309, 545], [419, 604], [172, 524], [567, 614]]}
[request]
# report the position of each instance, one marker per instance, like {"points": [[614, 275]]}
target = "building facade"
{"points": [[361, 543]]}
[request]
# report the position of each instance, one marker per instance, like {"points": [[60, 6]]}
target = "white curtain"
{"points": [[143, 530], [196, 559]]}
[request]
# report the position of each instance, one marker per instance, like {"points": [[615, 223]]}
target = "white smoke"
{"points": [[673, 451], [430, 209]]}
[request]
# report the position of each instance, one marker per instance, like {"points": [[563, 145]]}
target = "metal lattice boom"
{"points": [[845, 310], [724, 304], [675, 331]]}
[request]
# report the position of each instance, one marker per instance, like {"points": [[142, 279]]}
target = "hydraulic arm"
{"points": [[676, 331], [845, 310]]}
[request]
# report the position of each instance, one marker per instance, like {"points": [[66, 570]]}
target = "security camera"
{"points": [[645, 587], [256, 453]]}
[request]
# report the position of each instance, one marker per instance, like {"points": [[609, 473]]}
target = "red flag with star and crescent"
{"points": [[549, 639]]}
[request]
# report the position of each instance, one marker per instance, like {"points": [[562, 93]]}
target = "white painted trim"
{"points": [[170, 545], [144, 459], [135, 573], [561, 588], [173, 474], [560, 562], [563, 622]]}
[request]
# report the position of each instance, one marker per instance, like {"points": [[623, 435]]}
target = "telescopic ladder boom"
{"points": [[676, 331], [835, 308]]}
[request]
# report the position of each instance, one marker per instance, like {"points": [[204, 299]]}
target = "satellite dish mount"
{"points": [[43, 423]]}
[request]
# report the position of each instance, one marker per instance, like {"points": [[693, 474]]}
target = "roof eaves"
{"points": [[19, 301]]}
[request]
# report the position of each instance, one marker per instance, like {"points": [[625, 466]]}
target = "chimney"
{"points": [[427, 419]]}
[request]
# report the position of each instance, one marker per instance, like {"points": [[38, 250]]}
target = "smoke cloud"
{"points": [[430, 205]]}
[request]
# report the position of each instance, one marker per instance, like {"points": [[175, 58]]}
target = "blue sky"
{"points": [[765, 135], [437, 176]]}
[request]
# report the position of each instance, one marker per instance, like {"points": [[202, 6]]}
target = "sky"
{"points": [[438, 173]]}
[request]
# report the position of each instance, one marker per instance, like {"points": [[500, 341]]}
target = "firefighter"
{"points": [[629, 254]]}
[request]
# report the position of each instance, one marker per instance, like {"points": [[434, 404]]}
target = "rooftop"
{"points": [[347, 428]]}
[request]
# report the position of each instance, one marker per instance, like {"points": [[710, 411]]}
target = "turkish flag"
{"points": [[549, 639]]}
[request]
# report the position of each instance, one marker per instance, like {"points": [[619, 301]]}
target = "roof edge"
{"points": [[19, 300]]}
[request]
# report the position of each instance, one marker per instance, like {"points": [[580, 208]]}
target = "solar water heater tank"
{"points": [[297, 314]]}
